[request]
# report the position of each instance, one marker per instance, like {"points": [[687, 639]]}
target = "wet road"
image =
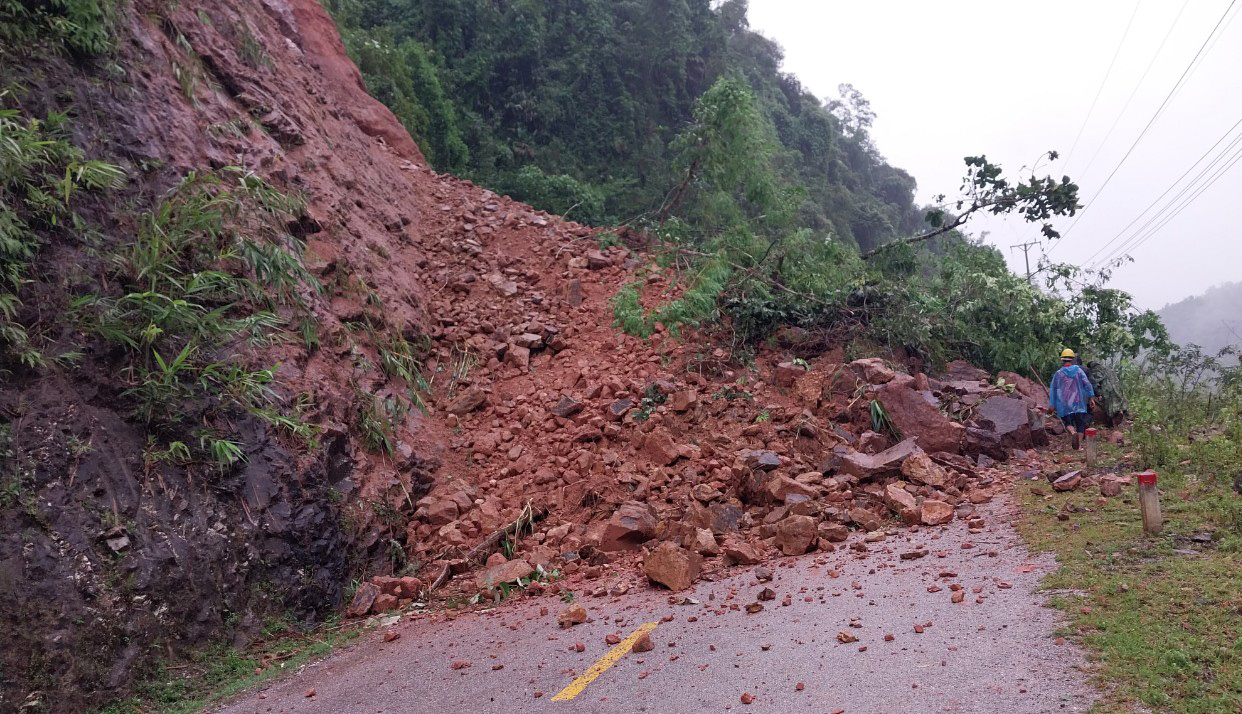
{"points": [[993, 652]]}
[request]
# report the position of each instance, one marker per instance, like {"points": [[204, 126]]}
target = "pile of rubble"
{"points": [[664, 449]]}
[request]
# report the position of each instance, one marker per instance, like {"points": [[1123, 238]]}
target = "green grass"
{"points": [[1160, 617], [222, 672]]}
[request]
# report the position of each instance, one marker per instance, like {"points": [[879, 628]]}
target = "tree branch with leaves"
{"points": [[985, 189]]}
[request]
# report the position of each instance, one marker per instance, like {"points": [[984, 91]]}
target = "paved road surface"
{"points": [[995, 656]]}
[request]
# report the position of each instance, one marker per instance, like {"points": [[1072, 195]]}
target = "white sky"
{"points": [[1013, 80]]}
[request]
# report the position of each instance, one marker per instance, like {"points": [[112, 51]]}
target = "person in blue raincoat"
{"points": [[1069, 394]]}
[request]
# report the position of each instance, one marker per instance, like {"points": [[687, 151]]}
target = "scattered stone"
{"points": [[845, 638], [573, 615], [747, 697], [1068, 482], [766, 594], [390, 635], [643, 643], [364, 600], [612, 638], [309, 693], [567, 407]]}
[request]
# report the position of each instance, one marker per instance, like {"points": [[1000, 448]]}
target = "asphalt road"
{"points": [[993, 652]]}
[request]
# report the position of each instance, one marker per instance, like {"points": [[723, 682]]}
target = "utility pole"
{"points": [[1026, 254]]}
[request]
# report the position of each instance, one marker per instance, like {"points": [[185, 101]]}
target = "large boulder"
{"points": [[672, 566], [631, 525], [1012, 419], [915, 415], [863, 465], [508, 572], [795, 534], [961, 370]]}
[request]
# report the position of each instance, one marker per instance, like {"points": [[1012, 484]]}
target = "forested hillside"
{"points": [[1212, 320], [573, 105]]}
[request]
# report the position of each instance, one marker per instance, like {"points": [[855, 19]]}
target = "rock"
{"points": [[747, 698], [507, 572], [672, 566], [783, 488], [618, 409], [1111, 485], [900, 500], [1011, 418], [573, 615], [384, 603], [788, 372], [703, 542], [518, 356], [631, 525], [364, 599], [935, 513], [920, 468], [833, 532], [795, 534], [962, 370], [760, 459], [705, 492], [597, 260], [1068, 482], [684, 400], [391, 635], [660, 448], [643, 643], [442, 511], [567, 407], [865, 465], [573, 292], [872, 443], [496, 558], [914, 415], [740, 553], [466, 402], [873, 370], [982, 441], [717, 517], [865, 518], [1035, 393]]}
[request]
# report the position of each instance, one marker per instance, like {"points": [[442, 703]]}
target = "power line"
{"points": [[1198, 182], [1104, 81], [1167, 190], [1108, 135], [1150, 122], [1206, 185]]}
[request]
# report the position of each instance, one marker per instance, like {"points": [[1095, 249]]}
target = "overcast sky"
{"points": [[1013, 80]]}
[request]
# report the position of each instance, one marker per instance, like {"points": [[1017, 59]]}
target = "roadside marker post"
{"points": [[1149, 503]]}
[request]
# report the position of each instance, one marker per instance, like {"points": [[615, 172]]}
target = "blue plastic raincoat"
{"points": [[1069, 391]]}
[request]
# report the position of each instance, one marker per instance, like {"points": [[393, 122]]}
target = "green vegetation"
{"points": [[214, 675], [209, 267], [40, 175], [1158, 615], [577, 103], [80, 28]]}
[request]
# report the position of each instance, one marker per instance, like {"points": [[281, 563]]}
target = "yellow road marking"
{"points": [[610, 658]]}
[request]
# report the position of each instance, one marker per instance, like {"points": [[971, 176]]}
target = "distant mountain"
{"points": [[1211, 320]]}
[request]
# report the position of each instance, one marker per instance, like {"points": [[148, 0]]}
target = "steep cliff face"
{"points": [[109, 559]]}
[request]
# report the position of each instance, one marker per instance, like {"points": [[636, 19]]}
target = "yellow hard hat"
{"points": [[1067, 353]]}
